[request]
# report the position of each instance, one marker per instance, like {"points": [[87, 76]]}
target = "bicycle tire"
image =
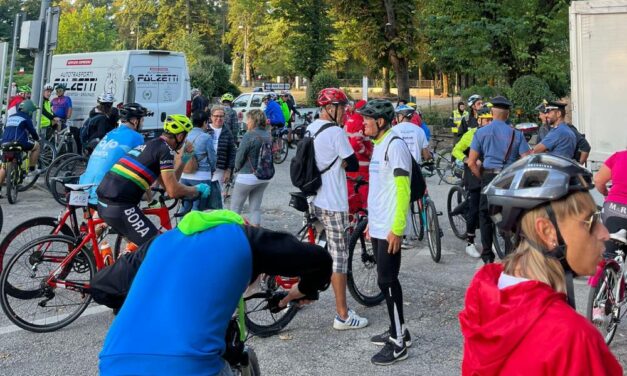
{"points": [[68, 172], [445, 169], [456, 197], [433, 231], [260, 321], [280, 155], [1, 224], [82, 265], [11, 181], [250, 369], [369, 295], [27, 182], [47, 154], [502, 244], [602, 295], [416, 221], [51, 170]]}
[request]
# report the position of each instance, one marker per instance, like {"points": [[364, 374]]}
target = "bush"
{"points": [[486, 91], [527, 93], [319, 82], [212, 77]]}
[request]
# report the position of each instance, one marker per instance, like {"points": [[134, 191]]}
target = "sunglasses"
{"points": [[593, 220], [217, 116]]}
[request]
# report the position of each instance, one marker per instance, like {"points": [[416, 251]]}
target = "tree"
{"points": [[86, 30]]}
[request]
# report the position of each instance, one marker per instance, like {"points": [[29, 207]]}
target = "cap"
{"points": [[501, 102], [542, 106], [554, 106]]}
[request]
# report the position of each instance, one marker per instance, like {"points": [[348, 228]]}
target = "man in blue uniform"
{"points": [[494, 147], [560, 140]]}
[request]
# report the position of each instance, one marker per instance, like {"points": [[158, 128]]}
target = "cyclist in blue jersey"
{"points": [[114, 145], [174, 319], [273, 111]]}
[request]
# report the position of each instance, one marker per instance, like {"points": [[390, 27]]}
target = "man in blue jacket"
{"points": [[273, 111]]}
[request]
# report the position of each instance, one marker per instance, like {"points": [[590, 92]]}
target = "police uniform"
{"points": [[560, 140], [492, 143]]}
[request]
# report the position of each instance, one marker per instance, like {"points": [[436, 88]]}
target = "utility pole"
{"points": [[39, 56]]}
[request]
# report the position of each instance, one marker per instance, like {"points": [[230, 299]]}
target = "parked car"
{"points": [[249, 101]]}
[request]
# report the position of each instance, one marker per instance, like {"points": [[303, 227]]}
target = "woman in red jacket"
{"points": [[517, 319], [354, 128]]}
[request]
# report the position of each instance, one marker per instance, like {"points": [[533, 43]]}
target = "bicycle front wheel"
{"points": [[433, 231], [68, 172], [12, 179], [40, 307], [362, 268], [603, 309], [446, 169], [456, 209], [279, 150], [261, 298], [47, 155], [52, 168]]}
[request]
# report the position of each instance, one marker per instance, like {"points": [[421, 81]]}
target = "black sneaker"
{"points": [[383, 338], [390, 354]]}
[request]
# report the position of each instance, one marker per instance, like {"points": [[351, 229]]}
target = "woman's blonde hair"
{"points": [[528, 261], [258, 118]]}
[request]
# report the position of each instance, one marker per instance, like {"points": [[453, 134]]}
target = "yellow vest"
{"points": [[457, 120], [45, 122]]}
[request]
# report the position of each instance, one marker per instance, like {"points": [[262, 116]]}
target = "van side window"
{"points": [[241, 101], [256, 102]]}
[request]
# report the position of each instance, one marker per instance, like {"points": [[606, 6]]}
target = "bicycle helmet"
{"points": [[24, 89], [530, 182], [378, 108], [48, 86], [175, 124], [484, 112], [106, 98], [62, 86], [474, 98], [133, 110], [405, 110], [195, 91], [227, 97], [331, 95], [27, 106], [412, 105]]}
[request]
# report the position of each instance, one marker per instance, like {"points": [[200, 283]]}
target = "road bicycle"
{"points": [[63, 140], [264, 318], [242, 358], [607, 298], [16, 166], [280, 146], [457, 211], [53, 166], [424, 219], [45, 284], [68, 171], [445, 166]]}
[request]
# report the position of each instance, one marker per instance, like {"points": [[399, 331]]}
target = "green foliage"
{"points": [[321, 80], [486, 91], [86, 30], [527, 93], [435, 118], [212, 77]]}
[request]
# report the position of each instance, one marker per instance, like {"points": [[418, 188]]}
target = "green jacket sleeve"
{"points": [[462, 146], [402, 204]]}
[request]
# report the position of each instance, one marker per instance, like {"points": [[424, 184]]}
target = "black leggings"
{"points": [[485, 222], [472, 219], [388, 266], [128, 220]]}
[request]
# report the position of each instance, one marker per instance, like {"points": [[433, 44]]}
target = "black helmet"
{"points": [[133, 110], [530, 182], [27, 106], [378, 108]]}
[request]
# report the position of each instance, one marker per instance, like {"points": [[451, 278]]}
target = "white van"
{"points": [[158, 80]]}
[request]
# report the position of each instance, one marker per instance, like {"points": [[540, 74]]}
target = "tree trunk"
{"points": [[399, 64], [444, 84], [386, 81]]}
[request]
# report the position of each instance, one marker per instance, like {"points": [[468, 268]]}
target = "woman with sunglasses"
{"points": [[615, 207], [517, 318]]}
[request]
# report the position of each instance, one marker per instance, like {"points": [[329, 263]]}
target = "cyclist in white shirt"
{"points": [[412, 134]]}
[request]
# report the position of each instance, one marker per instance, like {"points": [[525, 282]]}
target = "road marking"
{"points": [[88, 312]]}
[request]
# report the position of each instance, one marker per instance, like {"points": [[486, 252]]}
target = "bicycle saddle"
{"points": [[79, 187], [11, 146], [620, 236]]}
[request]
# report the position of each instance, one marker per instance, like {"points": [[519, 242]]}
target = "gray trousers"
{"points": [[254, 193]]}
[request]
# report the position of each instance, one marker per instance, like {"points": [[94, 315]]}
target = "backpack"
{"points": [[88, 128], [304, 172], [417, 184], [265, 164]]}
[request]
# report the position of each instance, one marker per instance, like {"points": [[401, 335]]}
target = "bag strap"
{"points": [[509, 148], [324, 127]]}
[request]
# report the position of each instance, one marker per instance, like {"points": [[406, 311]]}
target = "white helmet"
{"points": [[106, 98], [48, 86]]}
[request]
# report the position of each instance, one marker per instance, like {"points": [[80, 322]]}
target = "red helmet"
{"points": [[331, 95]]}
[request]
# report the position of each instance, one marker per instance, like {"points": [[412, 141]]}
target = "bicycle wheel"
{"points": [[362, 268], [52, 168], [444, 165], [47, 155], [262, 296], [1, 224], [502, 243], [251, 367], [603, 302], [279, 150], [11, 180], [433, 231], [68, 172], [457, 200], [27, 181], [42, 308], [418, 229]]}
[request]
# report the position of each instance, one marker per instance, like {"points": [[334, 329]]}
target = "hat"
{"points": [[553, 105], [501, 102], [542, 106]]}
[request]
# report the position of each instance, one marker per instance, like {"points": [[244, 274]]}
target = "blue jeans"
{"points": [[199, 203]]}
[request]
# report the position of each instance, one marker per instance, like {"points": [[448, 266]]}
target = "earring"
{"points": [[554, 243]]}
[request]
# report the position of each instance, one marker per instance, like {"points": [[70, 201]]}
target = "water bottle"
{"points": [[106, 252]]}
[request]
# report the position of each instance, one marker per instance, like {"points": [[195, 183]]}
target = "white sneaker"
{"points": [[471, 250], [35, 172], [354, 321], [407, 243]]}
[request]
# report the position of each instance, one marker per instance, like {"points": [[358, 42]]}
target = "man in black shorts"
{"points": [[123, 186]]}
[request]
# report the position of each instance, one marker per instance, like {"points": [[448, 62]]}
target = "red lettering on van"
{"points": [[79, 62]]}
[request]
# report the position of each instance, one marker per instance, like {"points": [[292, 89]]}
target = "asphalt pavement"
{"points": [[433, 295]]}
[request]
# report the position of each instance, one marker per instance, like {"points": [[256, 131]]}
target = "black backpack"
{"points": [[304, 172], [417, 185], [88, 128], [264, 169]]}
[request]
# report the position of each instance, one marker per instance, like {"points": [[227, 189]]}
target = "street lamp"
{"points": [[245, 70]]}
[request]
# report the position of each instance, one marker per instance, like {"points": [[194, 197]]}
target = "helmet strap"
{"points": [[559, 252], [380, 129]]}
